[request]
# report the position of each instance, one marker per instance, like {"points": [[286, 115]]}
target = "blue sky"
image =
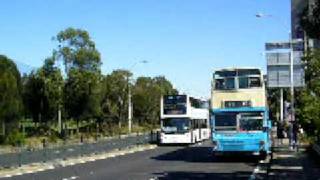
{"points": [[183, 40]]}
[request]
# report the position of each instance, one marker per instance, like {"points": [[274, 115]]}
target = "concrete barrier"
{"points": [[67, 151]]}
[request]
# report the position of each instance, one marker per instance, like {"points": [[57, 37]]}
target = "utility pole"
{"points": [[292, 91], [59, 114], [129, 106], [130, 96]]}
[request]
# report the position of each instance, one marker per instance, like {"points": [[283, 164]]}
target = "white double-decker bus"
{"points": [[184, 120]]}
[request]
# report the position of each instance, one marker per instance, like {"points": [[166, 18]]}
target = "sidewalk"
{"points": [[292, 164]]}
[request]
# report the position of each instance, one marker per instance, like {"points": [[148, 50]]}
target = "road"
{"points": [[173, 162]]}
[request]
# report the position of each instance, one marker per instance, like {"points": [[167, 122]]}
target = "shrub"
{"points": [[15, 138]]}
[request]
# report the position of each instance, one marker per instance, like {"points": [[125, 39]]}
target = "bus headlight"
{"points": [[261, 143]]}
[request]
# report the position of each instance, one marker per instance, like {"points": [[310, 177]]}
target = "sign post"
{"points": [[285, 70]]}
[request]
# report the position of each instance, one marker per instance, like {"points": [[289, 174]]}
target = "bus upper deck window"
{"points": [[243, 82], [254, 82], [230, 83], [220, 84]]}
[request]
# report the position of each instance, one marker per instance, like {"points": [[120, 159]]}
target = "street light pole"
{"points": [[130, 96]]}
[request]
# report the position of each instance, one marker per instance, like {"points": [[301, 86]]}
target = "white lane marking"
{"points": [[287, 167], [284, 155], [51, 167], [71, 178]]}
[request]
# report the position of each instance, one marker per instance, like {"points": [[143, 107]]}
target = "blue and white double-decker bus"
{"points": [[239, 113]]}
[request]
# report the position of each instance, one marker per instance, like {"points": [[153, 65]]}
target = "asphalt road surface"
{"points": [[173, 162]]}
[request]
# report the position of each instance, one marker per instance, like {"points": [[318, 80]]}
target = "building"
{"points": [[297, 7]]}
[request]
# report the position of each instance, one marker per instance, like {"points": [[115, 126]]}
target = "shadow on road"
{"points": [[176, 175], [203, 154]]}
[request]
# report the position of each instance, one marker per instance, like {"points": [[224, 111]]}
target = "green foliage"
{"points": [[82, 96], [308, 100], [15, 138], [115, 95], [32, 95], [146, 98], [77, 50], [10, 93], [82, 66], [88, 100], [42, 92], [273, 103]]}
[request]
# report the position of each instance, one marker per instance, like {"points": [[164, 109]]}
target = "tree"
{"points": [[309, 101], [52, 78], [33, 95], [165, 85], [82, 100], [310, 20], [10, 94], [77, 50], [146, 98], [82, 66], [42, 92], [115, 95]]}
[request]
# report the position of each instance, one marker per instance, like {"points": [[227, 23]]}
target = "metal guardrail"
{"points": [[81, 149]]}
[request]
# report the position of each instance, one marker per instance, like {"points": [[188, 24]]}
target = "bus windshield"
{"points": [[251, 122], [175, 125], [239, 121], [226, 122]]}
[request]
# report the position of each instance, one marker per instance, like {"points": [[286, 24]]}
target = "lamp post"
{"points": [[261, 15], [129, 95]]}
